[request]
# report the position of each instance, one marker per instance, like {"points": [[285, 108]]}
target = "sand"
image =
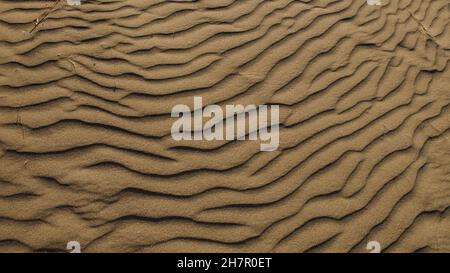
{"points": [[86, 152]]}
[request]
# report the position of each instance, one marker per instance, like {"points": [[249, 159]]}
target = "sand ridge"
{"points": [[86, 152]]}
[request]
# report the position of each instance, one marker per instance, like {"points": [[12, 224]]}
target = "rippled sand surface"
{"points": [[86, 152]]}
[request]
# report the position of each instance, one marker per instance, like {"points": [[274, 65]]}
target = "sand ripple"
{"points": [[85, 145]]}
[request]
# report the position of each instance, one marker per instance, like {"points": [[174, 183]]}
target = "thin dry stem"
{"points": [[45, 15]]}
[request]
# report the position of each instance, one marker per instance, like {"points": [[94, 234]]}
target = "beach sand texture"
{"points": [[86, 152]]}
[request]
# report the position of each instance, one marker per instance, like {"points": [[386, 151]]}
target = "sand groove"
{"points": [[86, 152]]}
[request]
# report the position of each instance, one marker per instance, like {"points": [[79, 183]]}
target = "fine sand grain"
{"points": [[86, 152]]}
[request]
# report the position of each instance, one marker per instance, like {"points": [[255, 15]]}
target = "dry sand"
{"points": [[87, 155]]}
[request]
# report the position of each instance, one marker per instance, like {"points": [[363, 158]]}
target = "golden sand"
{"points": [[86, 152]]}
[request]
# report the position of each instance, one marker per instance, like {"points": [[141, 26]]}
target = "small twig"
{"points": [[424, 30], [45, 15]]}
